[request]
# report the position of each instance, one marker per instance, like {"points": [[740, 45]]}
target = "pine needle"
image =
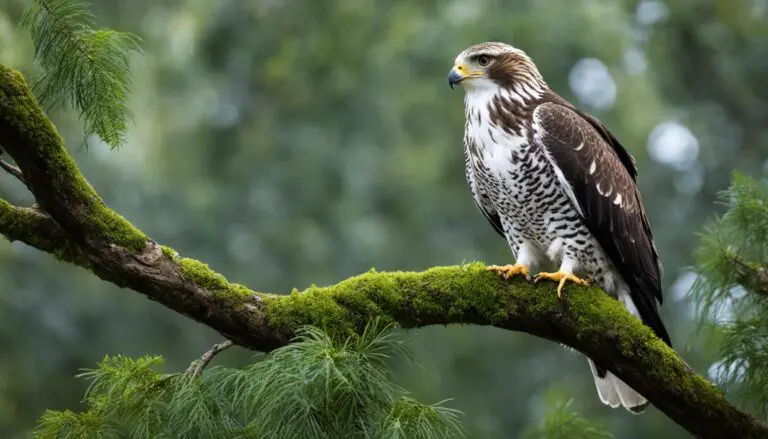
{"points": [[730, 290], [563, 423], [414, 420], [317, 387], [83, 68]]}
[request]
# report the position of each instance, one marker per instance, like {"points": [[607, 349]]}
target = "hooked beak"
{"points": [[461, 72], [455, 76]]}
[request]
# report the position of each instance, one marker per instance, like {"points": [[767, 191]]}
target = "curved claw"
{"points": [[508, 271], [561, 277]]}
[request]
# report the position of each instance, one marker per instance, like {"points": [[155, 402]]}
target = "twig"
{"points": [[751, 276], [12, 169], [197, 366]]}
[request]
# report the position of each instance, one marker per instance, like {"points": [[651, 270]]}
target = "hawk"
{"points": [[560, 188]]}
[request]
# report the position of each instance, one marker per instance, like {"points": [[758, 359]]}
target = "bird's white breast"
{"points": [[495, 146], [513, 174]]}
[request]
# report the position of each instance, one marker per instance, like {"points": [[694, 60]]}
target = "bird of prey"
{"points": [[560, 188]]}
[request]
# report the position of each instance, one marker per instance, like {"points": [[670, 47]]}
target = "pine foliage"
{"points": [[314, 388], [83, 68], [732, 288], [562, 422]]}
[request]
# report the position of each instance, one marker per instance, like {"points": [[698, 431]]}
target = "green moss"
{"points": [[25, 225], [450, 294], [32, 138], [201, 274], [169, 253], [239, 292], [370, 295], [593, 310], [593, 314], [311, 307], [115, 229], [472, 292]]}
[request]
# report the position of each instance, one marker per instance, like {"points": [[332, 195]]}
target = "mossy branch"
{"points": [[74, 224], [35, 228]]}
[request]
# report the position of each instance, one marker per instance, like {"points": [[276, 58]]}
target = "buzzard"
{"points": [[560, 188]]}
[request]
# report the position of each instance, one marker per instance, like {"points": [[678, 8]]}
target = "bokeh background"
{"points": [[296, 142]]}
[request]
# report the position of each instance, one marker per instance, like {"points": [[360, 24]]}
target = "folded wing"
{"points": [[601, 175]]}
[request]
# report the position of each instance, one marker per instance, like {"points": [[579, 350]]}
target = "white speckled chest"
{"points": [[516, 180], [519, 181]]}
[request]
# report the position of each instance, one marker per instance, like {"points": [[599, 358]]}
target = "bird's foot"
{"points": [[561, 277], [508, 271]]}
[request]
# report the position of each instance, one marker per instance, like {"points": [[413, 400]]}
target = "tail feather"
{"points": [[614, 392], [605, 388]]}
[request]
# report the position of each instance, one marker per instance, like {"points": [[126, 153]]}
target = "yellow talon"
{"points": [[561, 277], [508, 271]]}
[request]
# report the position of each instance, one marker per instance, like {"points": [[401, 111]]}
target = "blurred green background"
{"points": [[296, 142]]}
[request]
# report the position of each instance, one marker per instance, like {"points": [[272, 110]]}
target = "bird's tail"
{"points": [[614, 392]]}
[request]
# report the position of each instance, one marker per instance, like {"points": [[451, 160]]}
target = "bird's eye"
{"points": [[483, 60]]}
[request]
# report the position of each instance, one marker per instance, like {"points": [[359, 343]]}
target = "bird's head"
{"points": [[494, 65]]}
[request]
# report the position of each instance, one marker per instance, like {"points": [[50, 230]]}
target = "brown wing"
{"points": [[601, 174]]}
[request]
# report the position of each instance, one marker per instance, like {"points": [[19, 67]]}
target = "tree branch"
{"points": [[78, 227], [196, 368], [11, 169], [36, 229], [753, 277]]}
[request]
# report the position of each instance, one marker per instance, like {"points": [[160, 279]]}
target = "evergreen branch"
{"points": [[753, 277], [733, 249], [562, 422], [314, 388], [82, 68], [732, 288], [412, 419], [196, 368], [67, 425], [587, 319]]}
